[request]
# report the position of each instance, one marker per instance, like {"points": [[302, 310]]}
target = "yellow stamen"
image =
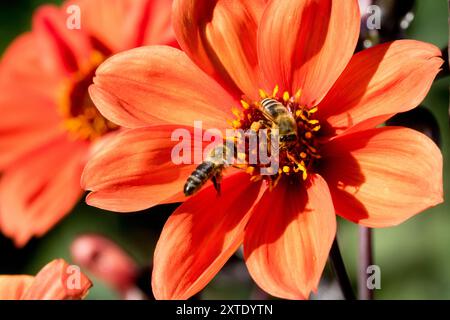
{"points": [[313, 110], [236, 124], [299, 157], [244, 104], [275, 91], [80, 116], [300, 114], [301, 167], [236, 112], [262, 94]]}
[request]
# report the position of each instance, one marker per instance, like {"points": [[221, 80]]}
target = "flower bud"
{"points": [[105, 260]]}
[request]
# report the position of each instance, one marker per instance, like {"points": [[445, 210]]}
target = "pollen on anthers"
{"points": [[274, 116], [297, 129]]}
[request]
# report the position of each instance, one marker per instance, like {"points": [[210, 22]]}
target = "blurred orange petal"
{"points": [[58, 281], [68, 50], [13, 287], [15, 69], [40, 189], [126, 24], [27, 121], [150, 23], [44, 80]]}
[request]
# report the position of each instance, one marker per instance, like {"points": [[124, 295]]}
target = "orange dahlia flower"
{"points": [[49, 126], [235, 53], [53, 282]]}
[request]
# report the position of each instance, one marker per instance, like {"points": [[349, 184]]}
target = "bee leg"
{"points": [[216, 182]]}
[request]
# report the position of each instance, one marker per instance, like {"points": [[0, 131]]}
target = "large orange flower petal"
{"points": [[220, 37], [379, 82], [289, 237], [68, 50], [381, 177], [58, 281], [158, 84], [306, 44], [30, 207], [27, 121], [27, 101], [22, 64], [200, 236], [104, 20], [135, 171], [13, 287]]}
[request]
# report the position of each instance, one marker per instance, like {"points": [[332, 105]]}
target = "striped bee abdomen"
{"points": [[205, 171], [211, 168], [273, 108], [282, 119]]}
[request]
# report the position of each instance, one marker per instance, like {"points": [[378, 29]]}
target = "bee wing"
{"points": [[267, 116]]}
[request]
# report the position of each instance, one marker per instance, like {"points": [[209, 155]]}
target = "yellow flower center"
{"points": [[296, 155], [81, 118]]}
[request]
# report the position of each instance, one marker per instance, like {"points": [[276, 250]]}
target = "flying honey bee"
{"points": [[273, 111], [210, 169]]}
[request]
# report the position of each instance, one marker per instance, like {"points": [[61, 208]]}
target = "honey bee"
{"points": [[281, 119], [210, 169]]}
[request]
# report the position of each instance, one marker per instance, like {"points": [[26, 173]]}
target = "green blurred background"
{"points": [[414, 257]]}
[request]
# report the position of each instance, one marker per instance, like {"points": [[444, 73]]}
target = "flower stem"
{"points": [[365, 260], [341, 274]]}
